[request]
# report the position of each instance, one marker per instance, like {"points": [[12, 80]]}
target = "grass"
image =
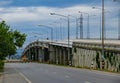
{"points": [[1, 66]]}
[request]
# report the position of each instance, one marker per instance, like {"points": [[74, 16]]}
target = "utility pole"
{"points": [[81, 26], [102, 56], [69, 56], [119, 24], [51, 30], [88, 29], [76, 28]]}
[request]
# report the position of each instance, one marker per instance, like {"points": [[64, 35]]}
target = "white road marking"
{"points": [[46, 70], [67, 76], [87, 82], [25, 77], [54, 72]]}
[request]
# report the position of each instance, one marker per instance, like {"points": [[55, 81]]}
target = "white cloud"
{"points": [[18, 14], [31, 15], [2, 3], [23, 14]]}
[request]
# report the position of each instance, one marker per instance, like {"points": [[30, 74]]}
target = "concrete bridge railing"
{"points": [[83, 53]]}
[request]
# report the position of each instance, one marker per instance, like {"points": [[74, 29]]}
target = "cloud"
{"points": [[5, 2], [39, 14], [30, 14], [29, 17]]}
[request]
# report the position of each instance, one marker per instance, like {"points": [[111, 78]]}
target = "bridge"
{"points": [[83, 53]]}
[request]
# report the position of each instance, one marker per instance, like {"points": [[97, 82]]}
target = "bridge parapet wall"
{"points": [[88, 55]]}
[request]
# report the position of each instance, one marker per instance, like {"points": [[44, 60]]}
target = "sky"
{"points": [[26, 15]]}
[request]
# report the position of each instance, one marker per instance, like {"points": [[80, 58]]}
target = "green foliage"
{"points": [[98, 60], [1, 65], [19, 38], [119, 67], [9, 40], [75, 50], [110, 58]]}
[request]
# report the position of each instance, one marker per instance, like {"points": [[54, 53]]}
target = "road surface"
{"points": [[44, 73]]}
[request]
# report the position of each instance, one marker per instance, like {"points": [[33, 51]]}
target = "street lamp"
{"points": [[88, 31], [76, 25], [39, 35], [59, 31], [100, 19], [118, 20], [49, 28], [119, 26], [56, 31], [102, 56], [68, 32]]}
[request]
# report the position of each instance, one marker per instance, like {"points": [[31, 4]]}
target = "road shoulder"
{"points": [[12, 76], [1, 77]]}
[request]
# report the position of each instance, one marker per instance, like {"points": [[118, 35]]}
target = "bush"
{"points": [[1, 65]]}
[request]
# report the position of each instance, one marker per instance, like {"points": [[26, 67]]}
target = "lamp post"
{"points": [[76, 25], [88, 31], [119, 24], [49, 28], [102, 56], [68, 32], [39, 35], [59, 31], [76, 28], [56, 32], [118, 20], [100, 19]]}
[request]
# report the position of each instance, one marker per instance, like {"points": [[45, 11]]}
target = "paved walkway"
{"points": [[11, 75], [1, 77]]}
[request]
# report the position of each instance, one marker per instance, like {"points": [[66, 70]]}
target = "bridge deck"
{"points": [[111, 42]]}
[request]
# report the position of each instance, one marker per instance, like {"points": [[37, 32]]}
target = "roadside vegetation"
{"points": [[10, 40]]}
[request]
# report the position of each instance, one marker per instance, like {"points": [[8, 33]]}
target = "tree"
{"points": [[10, 40]]}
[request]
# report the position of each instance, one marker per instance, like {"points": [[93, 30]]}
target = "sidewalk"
{"points": [[10, 75], [1, 78]]}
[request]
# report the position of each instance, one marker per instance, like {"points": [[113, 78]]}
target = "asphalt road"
{"points": [[43, 73]]}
